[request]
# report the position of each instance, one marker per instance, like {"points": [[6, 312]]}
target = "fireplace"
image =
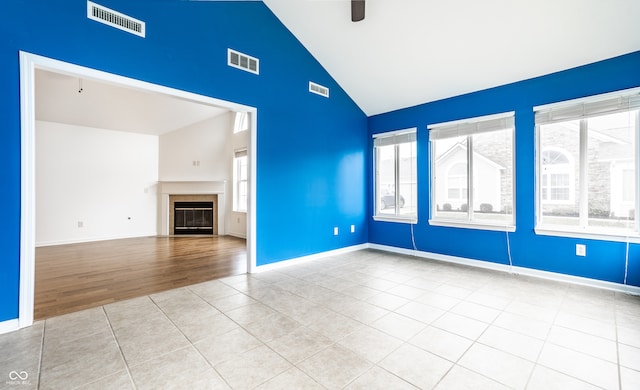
{"points": [[193, 218], [193, 214]]}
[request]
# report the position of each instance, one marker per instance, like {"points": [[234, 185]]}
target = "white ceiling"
{"points": [[107, 106], [408, 52]]}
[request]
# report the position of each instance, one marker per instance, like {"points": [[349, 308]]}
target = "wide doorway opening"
{"points": [[95, 214]]}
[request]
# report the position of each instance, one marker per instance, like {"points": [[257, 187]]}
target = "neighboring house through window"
{"points": [[472, 172], [556, 182], [457, 183], [588, 165]]}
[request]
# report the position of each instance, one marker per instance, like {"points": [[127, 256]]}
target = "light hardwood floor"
{"points": [[79, 276]]}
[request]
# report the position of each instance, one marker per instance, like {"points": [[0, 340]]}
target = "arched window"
{"points": [[556, 181], [241, 122]]}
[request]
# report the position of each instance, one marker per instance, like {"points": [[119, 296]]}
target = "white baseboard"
{"points": [[237, 235], [9, 326], [304, 259], [577, 280], [93, 239]]}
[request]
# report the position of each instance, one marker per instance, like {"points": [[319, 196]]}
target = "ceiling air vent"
{"points": [[243, 61], [318, 89], [115, 19]]}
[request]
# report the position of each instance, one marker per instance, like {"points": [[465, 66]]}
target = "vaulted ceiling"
{"points": [[404, 53], [408, 52]]}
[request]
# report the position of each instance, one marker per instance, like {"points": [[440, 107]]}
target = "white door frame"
{"points": [[28, 64]]}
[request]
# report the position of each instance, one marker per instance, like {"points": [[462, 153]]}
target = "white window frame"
{"points": [[581, 110], [469, 127], [240, 155], [393, 138]]}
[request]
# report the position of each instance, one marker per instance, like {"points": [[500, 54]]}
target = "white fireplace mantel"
{"points": [[167, 188]]}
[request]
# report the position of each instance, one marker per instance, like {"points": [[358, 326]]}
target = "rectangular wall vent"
{"points": [[115, 19], [243, 61], [318, 89]]}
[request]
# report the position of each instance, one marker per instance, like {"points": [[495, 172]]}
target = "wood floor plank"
{"points": [[80, 276]]}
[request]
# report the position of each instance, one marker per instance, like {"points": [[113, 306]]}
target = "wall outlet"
{"points": [[335, 231], [581, 250], [80, 224], [353, 228]]}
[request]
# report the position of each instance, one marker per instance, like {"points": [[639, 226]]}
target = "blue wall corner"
{"points": [[314, 155], [605, 260], [311, 151]]}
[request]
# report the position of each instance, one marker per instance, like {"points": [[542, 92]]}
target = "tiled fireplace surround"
{"points": [[171, 192]]}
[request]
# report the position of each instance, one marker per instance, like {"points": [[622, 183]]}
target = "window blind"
{"points": [[394, 139], [471, 126], [584, 108]]}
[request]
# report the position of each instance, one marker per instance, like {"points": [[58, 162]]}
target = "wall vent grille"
{"points": [[243, 61], [318, 89], [115, 19]]}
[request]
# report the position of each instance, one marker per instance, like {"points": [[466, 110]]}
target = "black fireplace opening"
{"points": [[193, 218]]}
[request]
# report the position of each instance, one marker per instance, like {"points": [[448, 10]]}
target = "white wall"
{"points": [[206, 143], [211, 144], [101, 178], [104, 179]]}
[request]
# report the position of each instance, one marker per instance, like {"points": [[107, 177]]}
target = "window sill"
{"points": [[412, 220], [590, 235], [471, 225]]}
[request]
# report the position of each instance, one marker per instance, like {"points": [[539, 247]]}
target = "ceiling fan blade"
{"points": [[357, 10]]}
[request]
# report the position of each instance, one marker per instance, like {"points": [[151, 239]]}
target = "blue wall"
{"points": [[314, 154], [312, 151], [604, 261]]}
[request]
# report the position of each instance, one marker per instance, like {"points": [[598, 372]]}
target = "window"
{"points": [[457, 182], [557, 183], [472, 172], [240, 174], [588, 165], [395, 176], [241, 122], [628, 191]]}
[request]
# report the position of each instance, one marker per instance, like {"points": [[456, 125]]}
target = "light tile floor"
{"points": [[363, 320]]}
